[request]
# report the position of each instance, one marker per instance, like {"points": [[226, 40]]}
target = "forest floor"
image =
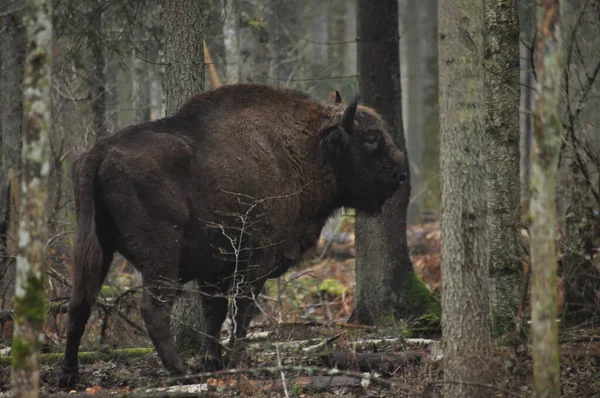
{"points": [[300, 335]]}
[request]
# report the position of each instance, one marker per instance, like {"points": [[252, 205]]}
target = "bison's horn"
{"points": [[348, 116]]}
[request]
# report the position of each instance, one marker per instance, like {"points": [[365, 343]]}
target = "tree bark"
{"points": [[502, 161], [526, 10], [141, 72], [98, 81], [431, 115], [387, 287], [465, 286], [12, 53], [547, 142], [30, 300], [183, 24]]}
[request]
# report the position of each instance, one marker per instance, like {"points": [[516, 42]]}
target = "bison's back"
{"points": [[212, 176]]}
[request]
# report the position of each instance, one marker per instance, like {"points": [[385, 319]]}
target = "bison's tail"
{"points": [[94, 244]]}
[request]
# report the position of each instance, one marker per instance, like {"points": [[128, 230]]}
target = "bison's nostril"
{"points": [[401, 177]]}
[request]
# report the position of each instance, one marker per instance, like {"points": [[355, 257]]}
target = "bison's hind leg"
{"points": [[79, 310], [150, 220]]}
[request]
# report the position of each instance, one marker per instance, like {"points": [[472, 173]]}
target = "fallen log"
{"points": [[90, 357], [366, 362]]}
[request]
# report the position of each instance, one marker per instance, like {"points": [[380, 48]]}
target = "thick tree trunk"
{"points": [[547, 142], [12, 53], [502, 161], [183, 24], [386, 284], [465, 285], [30, 300]]}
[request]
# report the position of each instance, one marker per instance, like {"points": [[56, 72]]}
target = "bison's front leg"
{"points": [[245, 309]]}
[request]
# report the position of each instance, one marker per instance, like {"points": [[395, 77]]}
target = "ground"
{"points": [[299, 335]]}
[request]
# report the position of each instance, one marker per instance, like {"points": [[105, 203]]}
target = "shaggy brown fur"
{"points": [[233, 188]]}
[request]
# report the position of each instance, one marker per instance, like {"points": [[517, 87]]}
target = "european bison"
{"points": [[231, 189]]}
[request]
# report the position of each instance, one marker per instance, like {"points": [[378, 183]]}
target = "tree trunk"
{"points": [[412, 100], [387, 287], [465, 290], [98, 80], [526, 10], [502, 163], [30, 300], [141, 72], [12, 53], [547, 142], [112, 96], [232, 38], [183, 24], [431, 113]]}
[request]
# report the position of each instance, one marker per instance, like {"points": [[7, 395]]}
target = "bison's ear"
{"points": [[335, 140], [338, 97]]}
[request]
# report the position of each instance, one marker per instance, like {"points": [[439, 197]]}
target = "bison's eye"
{"points": [[371, 144]]}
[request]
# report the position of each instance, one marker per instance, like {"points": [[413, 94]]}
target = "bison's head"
{"points": [[368, 165]]}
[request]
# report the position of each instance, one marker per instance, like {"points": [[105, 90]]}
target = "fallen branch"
{"points": [[365, 378], [369, 361], [307, 383]]}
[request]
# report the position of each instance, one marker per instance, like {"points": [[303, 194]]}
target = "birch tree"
{"points": [[30, 301], [547, 131]]}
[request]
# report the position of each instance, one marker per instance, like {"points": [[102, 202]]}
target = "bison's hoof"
{"points": [[238, 359], [211, 363], [68, 378]]}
